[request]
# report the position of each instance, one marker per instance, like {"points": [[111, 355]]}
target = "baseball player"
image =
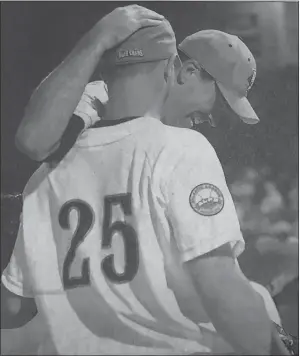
{"points": [[162, 193], [54, 102]]}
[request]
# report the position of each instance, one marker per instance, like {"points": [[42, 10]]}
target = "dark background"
{"points": [[35, 38]]}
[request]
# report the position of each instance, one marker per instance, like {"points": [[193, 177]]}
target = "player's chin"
{"points": [[198, 118], [187, 123]]}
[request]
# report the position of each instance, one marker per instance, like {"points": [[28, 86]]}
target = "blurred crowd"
{"points": [[267, 207], [263, 209], [268, 214]]}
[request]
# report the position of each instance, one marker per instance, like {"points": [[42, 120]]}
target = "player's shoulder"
{"points": [[186, 136], [172, 144], [187, 141], [166, 135]]}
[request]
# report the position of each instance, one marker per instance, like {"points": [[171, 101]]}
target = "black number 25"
{"points": [[85, 223]]}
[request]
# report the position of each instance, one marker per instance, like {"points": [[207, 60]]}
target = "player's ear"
{"points": [[172, 66], [169, 75], [187, 69]]}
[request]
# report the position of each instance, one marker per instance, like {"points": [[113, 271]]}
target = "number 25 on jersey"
{"points": [[86, 220]]}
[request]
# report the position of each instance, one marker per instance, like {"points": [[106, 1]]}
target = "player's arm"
{"points": [[90, 109], [236, 310], [16, 311], [53, 103], [207, 233], [74, 127], [268, 301]]}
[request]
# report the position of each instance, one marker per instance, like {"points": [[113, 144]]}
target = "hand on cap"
{"points": [[123, 22]]}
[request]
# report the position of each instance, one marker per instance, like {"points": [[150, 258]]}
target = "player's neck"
{"points": [[126, 99]]}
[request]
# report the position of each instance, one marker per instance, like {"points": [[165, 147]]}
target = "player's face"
{"points": [[193, 97]]}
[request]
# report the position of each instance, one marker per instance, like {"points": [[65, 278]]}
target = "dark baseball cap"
{"points": [[229, 61], [148, 44]]}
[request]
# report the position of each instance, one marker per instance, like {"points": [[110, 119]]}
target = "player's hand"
{"points": [[91, 107], [122, 22], [285, 344]]}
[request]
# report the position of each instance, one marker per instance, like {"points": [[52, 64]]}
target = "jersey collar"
{"points": [[114, 131]]}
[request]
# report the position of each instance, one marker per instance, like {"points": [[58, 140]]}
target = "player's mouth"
{"points": [[198, 117]]}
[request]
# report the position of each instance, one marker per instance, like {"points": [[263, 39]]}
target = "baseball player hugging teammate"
{"points": [[128, 243]]}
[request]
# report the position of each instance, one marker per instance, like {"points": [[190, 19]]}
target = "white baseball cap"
{"points": [[147, 44]]}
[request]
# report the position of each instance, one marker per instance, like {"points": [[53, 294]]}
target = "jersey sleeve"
{"points": [[15, 276], [91, 105], [199, 205]]}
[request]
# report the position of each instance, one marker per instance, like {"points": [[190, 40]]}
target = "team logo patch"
{"points": [[207, 199]]}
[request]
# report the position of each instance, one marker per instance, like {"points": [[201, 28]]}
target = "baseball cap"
{"points": [[229, 61], [148, 44]]}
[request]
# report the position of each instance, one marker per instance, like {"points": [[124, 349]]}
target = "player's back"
{"points": [[112, 243]]}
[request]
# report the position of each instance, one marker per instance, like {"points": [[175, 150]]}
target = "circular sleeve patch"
{"points": [[206, 199]]}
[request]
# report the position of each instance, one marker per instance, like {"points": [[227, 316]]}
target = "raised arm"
{"points": [[54, 101]]}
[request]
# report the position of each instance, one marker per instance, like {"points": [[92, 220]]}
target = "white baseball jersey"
{"points": [[103, 232]]}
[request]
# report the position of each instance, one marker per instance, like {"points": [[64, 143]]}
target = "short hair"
{"points": [[204, 74], [110, 72]]}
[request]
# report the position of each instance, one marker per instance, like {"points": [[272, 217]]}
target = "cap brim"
{"points": [[240, 105]]}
